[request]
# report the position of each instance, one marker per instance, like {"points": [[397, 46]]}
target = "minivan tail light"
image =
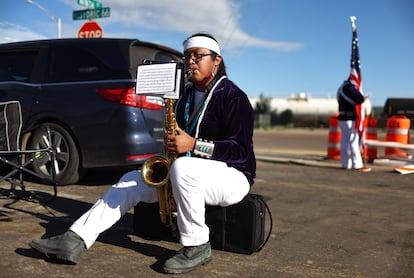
{"points": [[127, 96]]}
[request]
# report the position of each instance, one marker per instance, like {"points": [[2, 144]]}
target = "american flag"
{"points": [[355, 78]]}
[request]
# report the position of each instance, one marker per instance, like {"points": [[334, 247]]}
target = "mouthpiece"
{"points": [[188, 73], [187, 82]]}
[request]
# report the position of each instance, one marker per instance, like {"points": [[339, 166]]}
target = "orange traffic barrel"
{"points": [[398, 130], [371, 124], [334, 139]]}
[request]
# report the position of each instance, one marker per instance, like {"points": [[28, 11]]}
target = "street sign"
{"points": [[91, 13], [90, 29], [90, 4]]}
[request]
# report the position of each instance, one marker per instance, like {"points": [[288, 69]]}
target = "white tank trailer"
{"points": [[307, 110]]}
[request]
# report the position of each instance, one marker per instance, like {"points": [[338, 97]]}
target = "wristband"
{"points": [[204, 148]]}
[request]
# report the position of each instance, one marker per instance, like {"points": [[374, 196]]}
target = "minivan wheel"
{"points": [[67, 157]]}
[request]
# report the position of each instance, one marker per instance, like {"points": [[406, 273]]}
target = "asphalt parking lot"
{"points": [[327, 222]]}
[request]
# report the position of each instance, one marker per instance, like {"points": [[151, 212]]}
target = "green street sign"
{"points": [[90, 4], [91, 13]]}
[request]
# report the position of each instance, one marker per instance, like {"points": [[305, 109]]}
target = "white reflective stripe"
{"points": [[333, 145], [402, 131], [334, 129], [371, 130]]}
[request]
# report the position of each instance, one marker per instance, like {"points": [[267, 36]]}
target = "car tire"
{"points": [[67, 157]]}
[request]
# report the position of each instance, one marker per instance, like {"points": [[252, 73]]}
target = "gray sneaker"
{"points": [[67, 247], [188, 258]]}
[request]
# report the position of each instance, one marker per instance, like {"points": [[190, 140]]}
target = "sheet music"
{"points": [[176, 93], [160, 79]]}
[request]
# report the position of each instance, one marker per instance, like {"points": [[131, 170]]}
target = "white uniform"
{"points": [[209, 180], [350, 146]]}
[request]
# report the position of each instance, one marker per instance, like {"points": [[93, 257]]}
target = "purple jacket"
{"points": [[348, 96], [228, 122]]}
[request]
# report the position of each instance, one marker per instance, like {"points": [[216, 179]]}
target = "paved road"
{"points": [[328, 222], [292, 141]]}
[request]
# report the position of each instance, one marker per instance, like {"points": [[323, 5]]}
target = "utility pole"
{"points": [[58, 20]]}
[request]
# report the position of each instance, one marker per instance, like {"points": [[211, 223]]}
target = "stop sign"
{"points": [[90, 29]]}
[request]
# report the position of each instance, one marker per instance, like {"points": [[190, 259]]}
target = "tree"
{"points": [[262, 112], [286, 117], [263, 105]]}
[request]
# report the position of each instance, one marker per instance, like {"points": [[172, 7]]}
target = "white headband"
{"points": [[202, 41]]}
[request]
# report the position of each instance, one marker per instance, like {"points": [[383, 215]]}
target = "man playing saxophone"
{"points": [[215, 164]]}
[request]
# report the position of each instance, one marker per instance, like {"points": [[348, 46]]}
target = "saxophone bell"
{"points": [[156, 171]]}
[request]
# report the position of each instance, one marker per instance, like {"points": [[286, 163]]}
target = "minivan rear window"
{"points": [[140, 53], [17, 65], [72, 64]]}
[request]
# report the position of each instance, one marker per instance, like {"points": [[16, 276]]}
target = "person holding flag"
{"points": [[351, 113]]}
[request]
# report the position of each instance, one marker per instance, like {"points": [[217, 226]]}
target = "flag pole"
{"points": [[353, 19], [361, 134]]}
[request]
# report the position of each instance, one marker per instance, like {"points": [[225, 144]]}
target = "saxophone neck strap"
{"points": [[191, 120]]}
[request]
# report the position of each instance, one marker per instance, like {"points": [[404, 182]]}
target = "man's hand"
{"points": [[180, 143]]}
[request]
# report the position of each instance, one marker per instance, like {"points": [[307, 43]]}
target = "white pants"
{"points": [[350, 148], [195, 182]]}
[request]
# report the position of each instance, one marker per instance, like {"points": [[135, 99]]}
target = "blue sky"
{"points": [[271, 47]]}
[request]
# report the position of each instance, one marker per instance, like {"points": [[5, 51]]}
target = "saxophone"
{"points": [[155, 171]]}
